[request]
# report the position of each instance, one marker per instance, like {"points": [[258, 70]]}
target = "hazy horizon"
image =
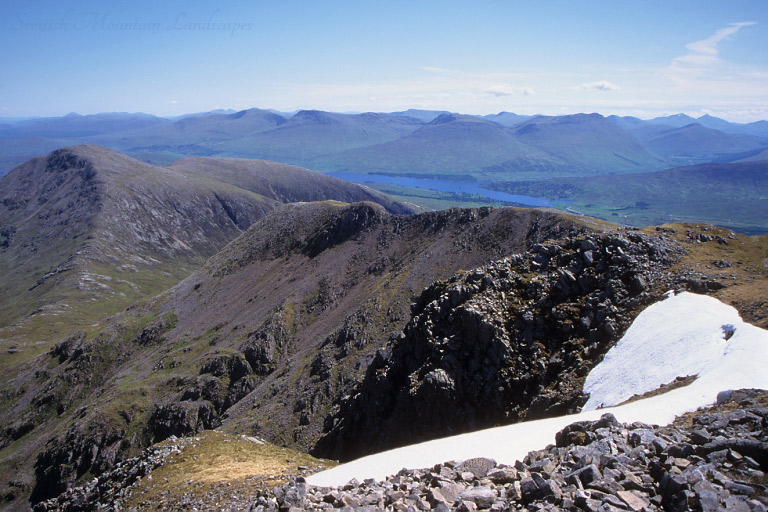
{"points": [[290, 113], [643, 59]]}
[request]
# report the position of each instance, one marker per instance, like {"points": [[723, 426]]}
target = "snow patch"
{"points": [[682, 335], [679, 336]]}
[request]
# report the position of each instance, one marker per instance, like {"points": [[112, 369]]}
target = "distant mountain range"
{"points": [[505, 151], [503, 146]]}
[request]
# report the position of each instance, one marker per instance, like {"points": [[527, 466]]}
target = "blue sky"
{"points": [[172, 57]]}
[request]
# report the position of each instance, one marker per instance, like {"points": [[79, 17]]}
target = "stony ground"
{"points": [[711, 460]]}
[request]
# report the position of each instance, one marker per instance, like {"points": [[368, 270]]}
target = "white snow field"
{"points": [[683, 335]]}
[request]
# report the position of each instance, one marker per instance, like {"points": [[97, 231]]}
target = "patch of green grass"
{"points": [[81, 310]]}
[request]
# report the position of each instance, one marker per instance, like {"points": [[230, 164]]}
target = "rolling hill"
{"points": [[190, 135], [507, 118], [76, 126], [503, 146], [694, 143], [589, 143]]}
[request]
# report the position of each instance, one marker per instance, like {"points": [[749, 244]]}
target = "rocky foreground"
{"points": [[717, 462], [713, 459]]}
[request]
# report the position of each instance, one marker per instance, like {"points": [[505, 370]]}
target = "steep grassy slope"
{"points": [[89, 225]]}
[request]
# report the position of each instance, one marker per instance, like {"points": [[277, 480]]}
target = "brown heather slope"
{"points": [[729, 266]]}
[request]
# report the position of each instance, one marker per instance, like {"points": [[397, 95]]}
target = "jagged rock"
{"points": [[71, 347], [496, 346], [182, 418], [584, 476], [233, 366], [479, 467], [502, 475]]}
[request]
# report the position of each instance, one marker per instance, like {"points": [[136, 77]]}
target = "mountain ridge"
{"points": [[87, 223], [305, 135]]}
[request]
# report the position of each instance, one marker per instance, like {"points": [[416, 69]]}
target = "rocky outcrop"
{"points": [[182, 418], [82, 450], [716, 462], [506, 342], [357, 218], [114, 484]]}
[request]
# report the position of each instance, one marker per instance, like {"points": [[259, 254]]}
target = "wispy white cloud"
{"points": [[601, 85], [706, 53], [502, 91], [174, 102], [702, 73]]}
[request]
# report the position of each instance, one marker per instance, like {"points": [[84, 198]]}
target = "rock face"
{"points": [[506, 342]]}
